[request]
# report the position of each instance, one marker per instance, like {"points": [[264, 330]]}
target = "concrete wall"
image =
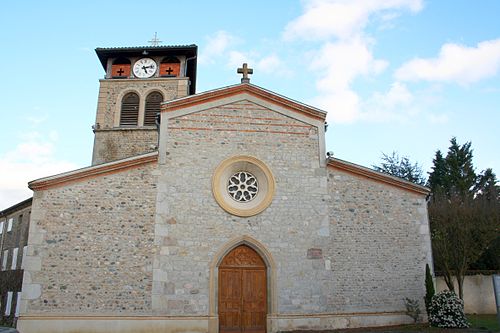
{"points": [[479, 296]]}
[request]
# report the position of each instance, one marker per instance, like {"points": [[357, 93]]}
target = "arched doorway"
{"points": [[242, 292]]}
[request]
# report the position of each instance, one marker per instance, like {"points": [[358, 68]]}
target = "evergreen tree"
{"points": [[460, 178], [464, 213], [429, 288], [437, 177], [401, 167], [486, 185]]}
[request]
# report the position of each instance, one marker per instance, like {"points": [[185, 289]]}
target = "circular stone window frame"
{"points": [[259, 170]]}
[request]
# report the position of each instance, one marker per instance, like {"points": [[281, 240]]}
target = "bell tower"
{"points": [[137, 81]]}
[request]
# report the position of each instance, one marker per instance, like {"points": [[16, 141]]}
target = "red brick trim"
{"points": [[359, 170], [251, 89], [92, 172]]}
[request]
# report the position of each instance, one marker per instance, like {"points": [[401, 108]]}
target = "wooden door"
{"points": [[242, 292]]}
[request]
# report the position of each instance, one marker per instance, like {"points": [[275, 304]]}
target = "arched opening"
{"points": [[242, 291], [129, 113], [120, 69], [153, 104], [170, 67]]}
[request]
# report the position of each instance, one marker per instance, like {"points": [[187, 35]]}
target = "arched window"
{"points": [[120, 68], [129, 114], [153, 103]]}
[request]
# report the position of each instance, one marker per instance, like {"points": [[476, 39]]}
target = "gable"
{"points": [[231, 94], [243, 116], [366, 173], [79, 175]]}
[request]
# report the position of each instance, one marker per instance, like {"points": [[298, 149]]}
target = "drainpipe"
{"points": [[185, 69]]}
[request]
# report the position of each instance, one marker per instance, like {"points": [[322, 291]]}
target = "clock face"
{"points": [[145, 67]]}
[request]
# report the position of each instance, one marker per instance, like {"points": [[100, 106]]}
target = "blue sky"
{"points": [[395, 75]]}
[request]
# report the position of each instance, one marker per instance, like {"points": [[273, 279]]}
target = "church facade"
{"points": [[225, 215]]}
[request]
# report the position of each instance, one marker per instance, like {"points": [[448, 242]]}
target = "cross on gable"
{"points": [[245, 71]]}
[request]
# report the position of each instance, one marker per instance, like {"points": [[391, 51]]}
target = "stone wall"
{"points": [[341, 243], [90, 248], [113, 142], [119, 143], [193, 227], [378, 248]]}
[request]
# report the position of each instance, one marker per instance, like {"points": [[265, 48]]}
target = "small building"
{"points": [[14, 225]]}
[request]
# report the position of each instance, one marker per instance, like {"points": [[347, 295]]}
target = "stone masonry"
{"points": [[368, 237], [113, 142], [144, 241], [91, 246]]}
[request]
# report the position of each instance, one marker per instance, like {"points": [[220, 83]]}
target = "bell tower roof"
{"points": [[189, 51]]}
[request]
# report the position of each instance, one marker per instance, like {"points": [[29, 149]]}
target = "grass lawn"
{"points": [[488, 322]]}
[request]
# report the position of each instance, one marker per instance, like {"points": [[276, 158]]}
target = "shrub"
{"points": [[412, 309], [447, 311], [429, 288]]}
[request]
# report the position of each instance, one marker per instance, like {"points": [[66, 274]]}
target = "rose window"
{"points": [[242, 186]]}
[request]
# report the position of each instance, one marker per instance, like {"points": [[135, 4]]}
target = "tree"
{"points": [[401, 167], [429, 288], [461, 231], [463, 212]]}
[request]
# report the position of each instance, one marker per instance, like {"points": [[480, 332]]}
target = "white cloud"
{"points": [[33, 158], [237, 58], [272, 64], [455, 63], [323, 19], [397, 103], [346, 51], [342, 105], [216, 45], [338, 65]]}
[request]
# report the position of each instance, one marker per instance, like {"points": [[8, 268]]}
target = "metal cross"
{"points": [[169, 70], [245, 71], [121, 71], [155, 41]]}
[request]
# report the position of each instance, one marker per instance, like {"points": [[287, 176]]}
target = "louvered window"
{"points": [[130, 110], [153, 102]]}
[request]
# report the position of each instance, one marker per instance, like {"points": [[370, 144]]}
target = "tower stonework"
{"points": [[125, 120]]}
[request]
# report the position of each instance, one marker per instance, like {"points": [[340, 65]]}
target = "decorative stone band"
{"points": [[93, 171], [377, 176], [248, 164], [180, 324], [244, 88]]}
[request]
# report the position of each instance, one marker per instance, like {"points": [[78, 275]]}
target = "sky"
{"points": [[393, 75]]}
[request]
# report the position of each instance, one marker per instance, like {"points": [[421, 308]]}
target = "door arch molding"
{"points": [[272, 299]]}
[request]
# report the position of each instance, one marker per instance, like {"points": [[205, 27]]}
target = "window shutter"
{"points": [[18, 303], [153, 104], [8, 304], [130, 110], [14, 258], [4, 259]]}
